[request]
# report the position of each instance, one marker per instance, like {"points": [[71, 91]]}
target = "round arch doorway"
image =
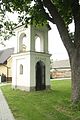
{"points": [[40, 76]]}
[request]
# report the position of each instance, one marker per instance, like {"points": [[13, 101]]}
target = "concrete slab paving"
{"points": [[5, 112]]}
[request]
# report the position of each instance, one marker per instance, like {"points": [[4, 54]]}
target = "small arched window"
{"points": [[21, 69]]}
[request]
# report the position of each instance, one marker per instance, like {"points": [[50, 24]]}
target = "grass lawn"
{"points": [[52, 104]]}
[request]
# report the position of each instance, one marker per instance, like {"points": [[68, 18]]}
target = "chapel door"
{"points": [[40, 76]]}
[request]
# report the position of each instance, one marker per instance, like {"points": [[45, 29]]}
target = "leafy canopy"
{"points": [[33, 12]]}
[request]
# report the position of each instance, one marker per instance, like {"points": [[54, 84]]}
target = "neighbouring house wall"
{"points": [[28, 63], [6, 69], [3, 69]]}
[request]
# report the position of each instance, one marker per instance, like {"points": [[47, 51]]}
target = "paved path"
{"points": [[5, 112]]}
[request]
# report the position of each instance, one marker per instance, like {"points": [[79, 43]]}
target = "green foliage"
{"points": [[37, 15], [64, 9], [33, 11], [29, 12], [6, 26], [53, 104], [6, 30]]}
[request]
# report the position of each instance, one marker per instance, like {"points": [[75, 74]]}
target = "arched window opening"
{"points": [[37, 44], [21, 69], [22, 42]]}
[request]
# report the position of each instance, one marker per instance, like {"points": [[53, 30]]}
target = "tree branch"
{"points": [[47, 16], [60, 25]]}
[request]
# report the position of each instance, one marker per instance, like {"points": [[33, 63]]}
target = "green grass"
{"points": [[52, 104]]}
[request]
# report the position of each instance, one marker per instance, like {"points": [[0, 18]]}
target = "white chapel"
{"points": [[31, 60]]}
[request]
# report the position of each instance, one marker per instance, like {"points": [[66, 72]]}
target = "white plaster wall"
{"points": [[48, 71], [32, 70], [17, 78], [30, 33], [19, 31], [23, 79], [43, 34], [46, 42], [14, 71], [29, 58], [45, 58]]}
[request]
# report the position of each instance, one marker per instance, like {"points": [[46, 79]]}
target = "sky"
{"points": [[55, 45]]}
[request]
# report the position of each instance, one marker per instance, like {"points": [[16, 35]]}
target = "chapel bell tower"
{"points": [[31, 60]]}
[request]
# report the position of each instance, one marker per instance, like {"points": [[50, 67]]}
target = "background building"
{"points": [[60, 69], [6, 63]]}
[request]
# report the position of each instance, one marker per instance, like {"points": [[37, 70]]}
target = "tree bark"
{"points": [[75, 72], [72, 47]]}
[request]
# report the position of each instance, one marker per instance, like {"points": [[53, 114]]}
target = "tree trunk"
{"points": [[72, 46], [75, 72]]}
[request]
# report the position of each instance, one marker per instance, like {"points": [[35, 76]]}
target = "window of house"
{"points": [[21, 69]]}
